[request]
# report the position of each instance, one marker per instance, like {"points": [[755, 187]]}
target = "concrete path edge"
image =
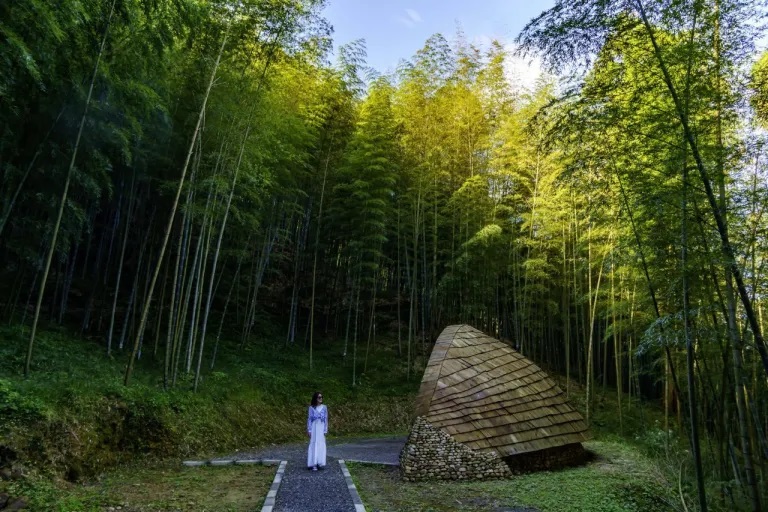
{"points": [[359, 507], [227, 462], [269, 502]]}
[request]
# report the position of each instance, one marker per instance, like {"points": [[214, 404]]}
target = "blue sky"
{"points": [[396, 29]]}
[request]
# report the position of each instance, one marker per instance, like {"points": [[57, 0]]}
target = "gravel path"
{"points": [[303, 490], [313, 491]]}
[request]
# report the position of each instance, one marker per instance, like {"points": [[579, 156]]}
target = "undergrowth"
{"points": [[160, 486], [620, 479], [74, 417]]}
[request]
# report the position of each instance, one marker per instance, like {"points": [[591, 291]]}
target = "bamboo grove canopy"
{"points": [[487, 396]]}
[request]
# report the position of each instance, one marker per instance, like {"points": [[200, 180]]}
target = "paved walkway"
{"points": [[313, 491], [302, 490], [378, 450], [384, 450]]}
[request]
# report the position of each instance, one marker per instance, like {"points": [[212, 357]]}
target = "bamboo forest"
{"points": [[216, 206]]}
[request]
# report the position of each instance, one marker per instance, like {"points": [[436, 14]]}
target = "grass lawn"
{"points": [[619, 479], [160, 488]]}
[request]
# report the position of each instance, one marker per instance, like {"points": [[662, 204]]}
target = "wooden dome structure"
{"points": [[490, 398]]}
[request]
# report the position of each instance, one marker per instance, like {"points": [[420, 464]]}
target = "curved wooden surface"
{"points": [[488, 396]]}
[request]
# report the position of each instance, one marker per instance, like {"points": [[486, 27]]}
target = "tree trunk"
{"points": [[132, 297], [301, 239], [52, 248], [68, 284], [398, 290], [194, 330], [216, 256], [644, 264], [172, 320], [314, 258], [414, 280], [616, 348], [692, 403], [270, 237], [565, 308], [171, 217], [372, 320], [226, 306], [726, 247], [120, 265], [593, 311], [357, 312]]}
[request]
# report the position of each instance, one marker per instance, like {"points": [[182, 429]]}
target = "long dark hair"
{"points": [[314, 398]]}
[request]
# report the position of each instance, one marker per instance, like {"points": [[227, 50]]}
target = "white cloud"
{"points": [[414, 15], [523, 71], [518, 71], [412, 18]]}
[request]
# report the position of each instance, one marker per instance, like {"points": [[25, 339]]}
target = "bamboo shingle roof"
{"points": [[489, 397]]}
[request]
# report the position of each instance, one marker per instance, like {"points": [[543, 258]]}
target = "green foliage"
{"points": [[17, 408], [656, 441], [153, 485], [759, 83]]}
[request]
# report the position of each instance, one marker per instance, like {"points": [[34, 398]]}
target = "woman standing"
{"points": [[317, 428]]}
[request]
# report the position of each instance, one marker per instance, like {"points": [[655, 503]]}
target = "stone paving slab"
{"points": [[356, 500], [269, 502]]}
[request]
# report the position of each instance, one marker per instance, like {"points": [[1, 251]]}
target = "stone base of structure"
{"points": [[431, 454]]}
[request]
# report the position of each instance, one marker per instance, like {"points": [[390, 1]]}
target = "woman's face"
{"points": [[320, 398]]}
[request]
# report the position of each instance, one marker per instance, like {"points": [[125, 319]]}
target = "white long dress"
{"points": [[317, 426]]}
